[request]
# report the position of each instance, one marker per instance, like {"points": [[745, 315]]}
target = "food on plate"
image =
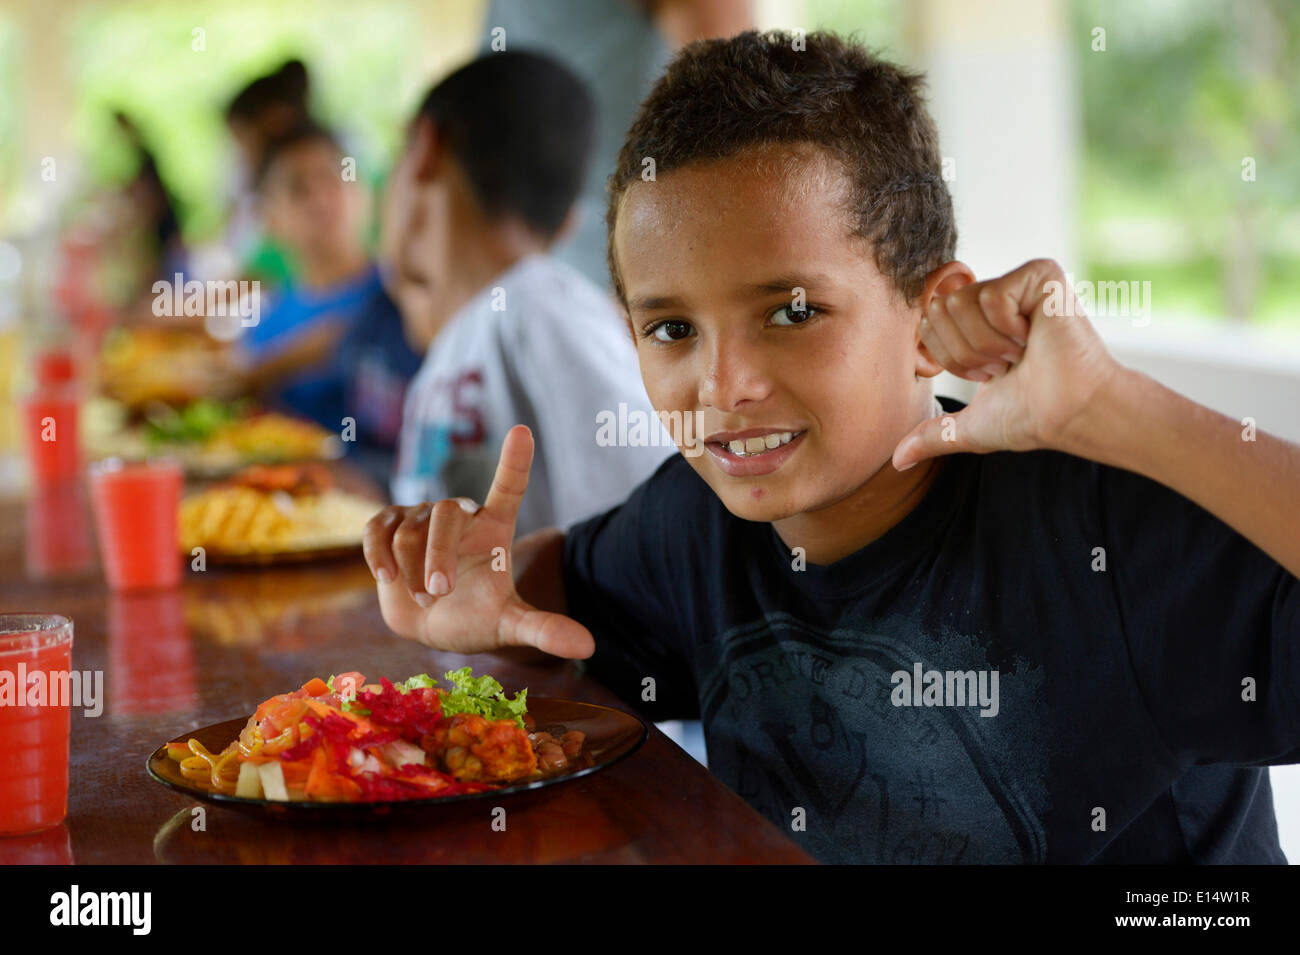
{"points": [[301, 479], [143, 365], [236, 431], [271, 437], [273, 510], [195, 422], [344, 740], [208, 437]]}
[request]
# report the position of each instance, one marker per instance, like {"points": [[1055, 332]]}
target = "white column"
{"points": [[1002, 91]]}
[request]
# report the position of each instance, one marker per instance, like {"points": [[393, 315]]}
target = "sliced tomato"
{"points": [[278, 718], [349, 684], [267, 705]]}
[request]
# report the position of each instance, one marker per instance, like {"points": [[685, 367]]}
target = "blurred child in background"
{"points": [[264, 110], [155, 205], [494, 159], [330, 344]]}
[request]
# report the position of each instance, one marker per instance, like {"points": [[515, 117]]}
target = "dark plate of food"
{"points": [[344, 748]]}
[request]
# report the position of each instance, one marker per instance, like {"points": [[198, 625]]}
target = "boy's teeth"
{"points": [[767, 442]]}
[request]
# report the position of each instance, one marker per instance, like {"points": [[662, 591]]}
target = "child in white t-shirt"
{"points": [[493, 162]]}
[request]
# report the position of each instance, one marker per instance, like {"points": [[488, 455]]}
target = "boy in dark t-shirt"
{"points": [[1058, 624]]}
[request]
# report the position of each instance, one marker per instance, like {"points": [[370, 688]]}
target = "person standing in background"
{"points": [[619, 48]]}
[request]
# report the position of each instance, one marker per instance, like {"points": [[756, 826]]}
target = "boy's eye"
{"points": [[794, 316], [670, 331]]}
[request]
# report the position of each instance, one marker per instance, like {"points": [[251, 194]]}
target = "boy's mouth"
{"points": [[754, 452]]}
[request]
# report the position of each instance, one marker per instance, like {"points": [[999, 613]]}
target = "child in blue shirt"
{"points": [[330, 346]]}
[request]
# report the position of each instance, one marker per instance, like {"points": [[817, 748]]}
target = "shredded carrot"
{"points": [[316, 687]]}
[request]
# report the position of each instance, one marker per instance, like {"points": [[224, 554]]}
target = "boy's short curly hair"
{"points": [[719, 97]]}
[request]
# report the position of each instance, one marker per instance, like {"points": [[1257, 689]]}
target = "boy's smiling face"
{"points": [[710, 257]]}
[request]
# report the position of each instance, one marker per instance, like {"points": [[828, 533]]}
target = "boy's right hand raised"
{"points": [[444, 570]]}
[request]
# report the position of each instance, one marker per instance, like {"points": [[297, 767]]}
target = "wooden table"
{"points": [[211, 651]]}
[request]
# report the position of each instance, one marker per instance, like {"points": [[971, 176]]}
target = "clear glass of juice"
{"points": [[34, 727]]}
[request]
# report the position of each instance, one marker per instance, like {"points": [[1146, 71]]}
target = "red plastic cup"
{"points": [[50, 429], [33, 730], [135, 507]]}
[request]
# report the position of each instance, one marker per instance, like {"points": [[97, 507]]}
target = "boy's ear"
{"points": [[427, 147], [944, 280]]}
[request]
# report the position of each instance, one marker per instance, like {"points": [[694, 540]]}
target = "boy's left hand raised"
{"points": [[1041, 358]]}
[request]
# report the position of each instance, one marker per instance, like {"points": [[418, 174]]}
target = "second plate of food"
{"points": [[273, 514]]}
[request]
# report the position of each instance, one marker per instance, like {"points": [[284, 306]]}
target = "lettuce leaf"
{"points": [[483, 696], [421, 682]]}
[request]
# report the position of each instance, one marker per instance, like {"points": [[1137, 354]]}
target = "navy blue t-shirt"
{"points": [[320, 391], [365, 376], [379, 364], [1047, 660]]}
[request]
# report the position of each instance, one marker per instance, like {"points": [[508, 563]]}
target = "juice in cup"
{"points": [[50, 428], [33, 732], [135, 508]]}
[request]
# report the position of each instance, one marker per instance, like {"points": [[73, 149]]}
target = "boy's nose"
{"points": [[733, 375]]}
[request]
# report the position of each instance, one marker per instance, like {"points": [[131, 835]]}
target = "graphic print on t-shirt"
{"points": [[451, 457], [802, 718]]}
